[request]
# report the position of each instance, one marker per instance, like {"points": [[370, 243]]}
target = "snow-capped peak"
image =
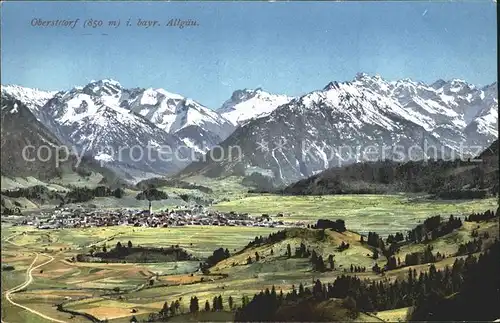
{"points": [[167, 93], [34, 99], [331, 85], [105, 87], [248, 104], [459, 86], [106, 81], [172, 112], [245, 94], [111, 81], [438, 84], [444, 108], [375, 83], [361, 76]]}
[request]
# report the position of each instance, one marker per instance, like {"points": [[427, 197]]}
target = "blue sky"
{"points": [[283, 47]]}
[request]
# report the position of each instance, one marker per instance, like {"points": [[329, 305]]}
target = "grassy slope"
{"points": [[356, 254], [383, 214], [223, 190], [92, 280], [397, 315], [449, 243], [273, 270]]}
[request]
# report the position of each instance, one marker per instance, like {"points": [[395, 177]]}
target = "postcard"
{"points": [[249, 161]]}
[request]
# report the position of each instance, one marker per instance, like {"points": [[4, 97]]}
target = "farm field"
{"points": [[118, 291], [397, 315], [82, 280], [384, 214], [222, 190], [198, 240]]}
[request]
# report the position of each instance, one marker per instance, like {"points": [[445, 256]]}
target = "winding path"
{"points": [[29, 280]]}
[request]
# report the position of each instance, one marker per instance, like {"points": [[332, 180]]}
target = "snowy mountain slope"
{"points": [[322, 129], [327, 128], [103, 115], [31, 98], [444, 108], [172, 113], [484, 125], [486, 121], [246, 104], [198, 139], [19, 130], [367, 109], [92, 120]]}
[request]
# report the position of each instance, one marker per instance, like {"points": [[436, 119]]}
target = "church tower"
{"points": [[150, 208]]}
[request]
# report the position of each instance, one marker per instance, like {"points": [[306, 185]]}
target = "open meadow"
{"points": [[384, 214], [44, 266]]}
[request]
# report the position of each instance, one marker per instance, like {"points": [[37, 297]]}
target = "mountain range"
{"points": [[284, 137], [336, 125]]}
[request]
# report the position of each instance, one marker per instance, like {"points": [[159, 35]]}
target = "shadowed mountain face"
{"points": [[91, 120], [286, 138], [245, 105], [135, 132], [458, 179], [491, 152], [461, 178], [362, 120], [28, 148], [21, 129]]}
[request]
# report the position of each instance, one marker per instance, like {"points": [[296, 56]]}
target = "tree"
{"points": [[244, 301], [288, 251], [314, 257], [129, 244], [207, 306], [249, 260], [104, 249], [294, 292], [257, 257], [320, 265], [218, 255], [118, 193], [331, 262], [172, 308], [318, 289], [301, 289], [215, 304], [164, 310], [391, 263], [219, 301], [193, 306], [230, 301]]}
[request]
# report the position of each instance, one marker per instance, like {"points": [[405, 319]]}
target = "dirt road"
{"points": [[29, 280]]}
